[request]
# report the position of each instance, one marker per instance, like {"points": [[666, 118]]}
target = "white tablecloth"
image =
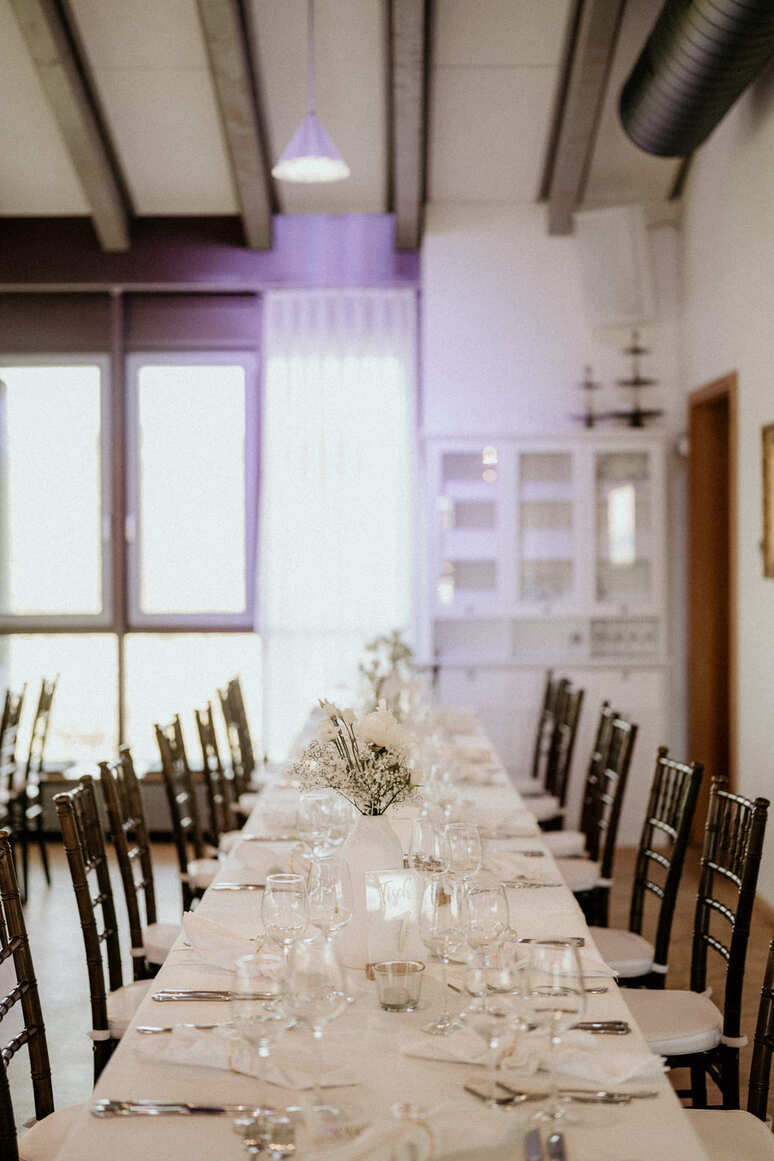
{"points": [[640, 1131]]}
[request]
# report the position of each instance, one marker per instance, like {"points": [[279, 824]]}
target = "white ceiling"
{"points": [[495, 65]]}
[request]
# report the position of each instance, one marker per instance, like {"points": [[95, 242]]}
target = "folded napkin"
{"points": [[419, 1136], [506, 865], [511, 824], [463, 1047], [595, 1060], [291, 1062], [217, 944], [471, 773], [262, 859]]}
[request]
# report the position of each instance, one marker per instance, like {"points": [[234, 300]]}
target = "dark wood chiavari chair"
{"points": [[575, 843], [240, 745], [562, 747], [27, 808], [151, 941], [196, 868], [660, 857], [590, 879], [114, 1005], [218, 787], [9, 729], [685, 1026], [18, 986], [732, 1134], [534, 784]]}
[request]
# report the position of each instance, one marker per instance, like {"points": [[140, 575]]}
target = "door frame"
{"points": [[725, 386]]}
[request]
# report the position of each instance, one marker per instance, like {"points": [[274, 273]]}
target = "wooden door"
{"points": [[712, 584]]}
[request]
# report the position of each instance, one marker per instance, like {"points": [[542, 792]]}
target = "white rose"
{"points": [[330, 708], [327, 731], [347, 716], [379, 728]]}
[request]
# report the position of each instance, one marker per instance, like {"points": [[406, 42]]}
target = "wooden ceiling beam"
{"points": [[408, 56], [51, 44], [231, 66], [574, 134]]}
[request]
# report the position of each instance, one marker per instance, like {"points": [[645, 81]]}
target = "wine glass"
{"points": [[285, 911], [314, 820], [463, 842], [340, 821], [329, 890], [319, 994], [488, 916], [556, 999], [428, 851], [442, 930], [255, 1006]]}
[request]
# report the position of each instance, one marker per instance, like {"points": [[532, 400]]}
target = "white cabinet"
{"points": [[550, 553]]}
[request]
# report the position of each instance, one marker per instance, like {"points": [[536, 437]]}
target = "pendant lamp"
{"points": [[310, 155]]}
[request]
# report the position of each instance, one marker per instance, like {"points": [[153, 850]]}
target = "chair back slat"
{"points": [[181, 797], [544, 727], [666, 831], [239, 711], [217, 786], [763, 1045], [85, 848], [240, 745], [129, 834], [733, 840], [14, 947]]}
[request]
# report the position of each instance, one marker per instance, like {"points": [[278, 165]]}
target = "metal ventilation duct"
{"points": [[700, 56]]}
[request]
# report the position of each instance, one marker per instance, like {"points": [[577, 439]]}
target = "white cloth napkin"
{"points": [[262, 859], [291, 1062], [594, 1060], [513, 824], [440, 1131], [506, 865], [463, 1047], [215, 943]]}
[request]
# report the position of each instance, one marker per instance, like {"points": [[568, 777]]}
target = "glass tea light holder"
{"points": [[399, 984]]}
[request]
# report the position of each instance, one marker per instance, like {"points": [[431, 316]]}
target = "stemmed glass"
{"points": [[487, 922], [463, 842], [428, 851], [442, 930], [492, 1019], [256, 1008], [329, 889], [314, 820], [556, 999], [319, 995], [285, 911]]}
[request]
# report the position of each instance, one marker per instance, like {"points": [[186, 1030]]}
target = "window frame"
{"points": [[137, 620], [77, 622]]}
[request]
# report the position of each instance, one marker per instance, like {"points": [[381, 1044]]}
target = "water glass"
{"points": [[556, 999], [428, 851], [442, 923], [488, 916], [285, 910], [256, 1007], [463, 842], [329, 889]]}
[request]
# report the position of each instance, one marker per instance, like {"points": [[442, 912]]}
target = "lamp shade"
{"points": [[310, 155]]}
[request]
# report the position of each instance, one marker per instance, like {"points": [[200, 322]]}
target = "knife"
{"points": [[205, 994], [237, 887], [533, 1149], [115, 1108], [603, 1027], [570, 940], [269, 838], [555, 1146]]}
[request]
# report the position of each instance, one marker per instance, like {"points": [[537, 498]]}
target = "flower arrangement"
{"points": [[365, 759], [388, 671]]}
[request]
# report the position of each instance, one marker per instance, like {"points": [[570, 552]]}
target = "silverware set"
{"points": [[515, 1096]]}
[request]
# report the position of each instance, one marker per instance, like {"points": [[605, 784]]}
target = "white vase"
{"points": [[372, 846]]}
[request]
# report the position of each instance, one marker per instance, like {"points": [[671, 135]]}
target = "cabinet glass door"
{"points": [[468, 514], [546, 527], [623, 488]]}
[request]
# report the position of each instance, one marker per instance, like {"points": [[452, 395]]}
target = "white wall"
{"points": [[504, 341], [728, 324]]}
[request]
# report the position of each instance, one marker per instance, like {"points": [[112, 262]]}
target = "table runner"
{"points": [[636, 1132]]}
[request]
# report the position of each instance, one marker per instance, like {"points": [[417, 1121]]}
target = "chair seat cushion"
{"points": [[229, 840], [675, 1022], [43, 1140], [627, 953], [122, 1005], [579, 874], [248, 802], [157, 940], [565, 843], [201, 872], [730, 1135], [544, 807], [527, 787]]}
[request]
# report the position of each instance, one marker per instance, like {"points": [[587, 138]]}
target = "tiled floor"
{"points": [[58, 954]]}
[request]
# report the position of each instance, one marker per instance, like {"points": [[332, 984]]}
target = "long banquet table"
{"points": [[372, 1041]]}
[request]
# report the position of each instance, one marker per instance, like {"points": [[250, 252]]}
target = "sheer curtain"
{"points": [[337, 469]]}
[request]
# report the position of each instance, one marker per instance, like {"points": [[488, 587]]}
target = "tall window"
{"points": [[189, 523], [337, 494]]}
